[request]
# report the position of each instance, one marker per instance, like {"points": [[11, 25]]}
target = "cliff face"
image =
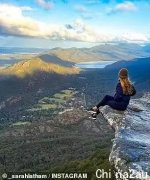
{"points": [[131, 145]]}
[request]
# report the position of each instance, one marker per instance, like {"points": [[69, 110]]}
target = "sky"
{"points": [[73, 23]]}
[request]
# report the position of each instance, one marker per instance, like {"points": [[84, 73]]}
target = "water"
{"points": [[17, 50], [94, 64]]}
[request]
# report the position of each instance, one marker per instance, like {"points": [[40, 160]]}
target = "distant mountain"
{"points": [[106, 52], [67, 57], [139, 70], [135, 64], [28, 67], [55, 60]]}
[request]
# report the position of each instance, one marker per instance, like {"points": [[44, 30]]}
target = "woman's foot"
{"points": [[94, 115], [93, 110]]}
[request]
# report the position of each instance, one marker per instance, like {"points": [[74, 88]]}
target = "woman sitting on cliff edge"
{"points": [[120, 101]]}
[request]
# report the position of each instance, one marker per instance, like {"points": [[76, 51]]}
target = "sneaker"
{"points": [[94, 115], [92, 110]]}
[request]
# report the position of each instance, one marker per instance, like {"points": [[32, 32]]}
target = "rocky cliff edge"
{"points": [[130, 154]]}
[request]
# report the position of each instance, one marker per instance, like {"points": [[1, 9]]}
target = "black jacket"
{"points": [[120, 97]]}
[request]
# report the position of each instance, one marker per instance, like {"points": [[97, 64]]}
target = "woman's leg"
{"points": [[105, 100], [110, 101], [116, 105]]}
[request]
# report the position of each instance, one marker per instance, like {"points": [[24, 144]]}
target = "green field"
{"points": [[44, 107], [53, 102], [64, 94]]}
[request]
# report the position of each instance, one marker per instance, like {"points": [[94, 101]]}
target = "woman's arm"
{"points": [[119, 93]]}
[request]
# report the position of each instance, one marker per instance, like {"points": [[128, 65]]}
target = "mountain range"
{"points": [[62, 61], [61, 56], [104, 52]]}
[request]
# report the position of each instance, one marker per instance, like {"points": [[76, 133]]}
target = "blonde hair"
{"points": [[126, 85]]}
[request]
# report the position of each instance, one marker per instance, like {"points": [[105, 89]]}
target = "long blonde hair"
{"points": [[126, 86]]}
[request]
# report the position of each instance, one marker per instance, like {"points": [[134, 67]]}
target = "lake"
{"points": [[94, 64], [17, 50]]}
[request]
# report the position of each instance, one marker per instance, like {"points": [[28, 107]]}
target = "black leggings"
{"points": [[110, 101]]}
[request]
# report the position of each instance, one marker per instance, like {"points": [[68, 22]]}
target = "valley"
{"points": [[60, 138], [44, 124]]}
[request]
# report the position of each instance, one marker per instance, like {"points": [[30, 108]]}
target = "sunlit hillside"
{"points": [[31, 66]]}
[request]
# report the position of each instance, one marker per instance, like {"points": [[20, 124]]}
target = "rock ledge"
{"points": [[131, 145]]}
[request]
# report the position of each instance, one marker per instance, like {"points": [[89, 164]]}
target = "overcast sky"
{"points": [[68, 23]]}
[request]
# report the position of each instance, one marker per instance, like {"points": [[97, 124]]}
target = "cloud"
{"points": [[92, 2], [84, 12], [134, 37], [107, 2], [13, 22], [45, 4], [81, 9], [69, 26], [126, 6], [123, 7]]}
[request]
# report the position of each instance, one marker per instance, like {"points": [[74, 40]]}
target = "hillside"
{"points": [[28, 67], [106, 52], [55, 60], [67, 142]]}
